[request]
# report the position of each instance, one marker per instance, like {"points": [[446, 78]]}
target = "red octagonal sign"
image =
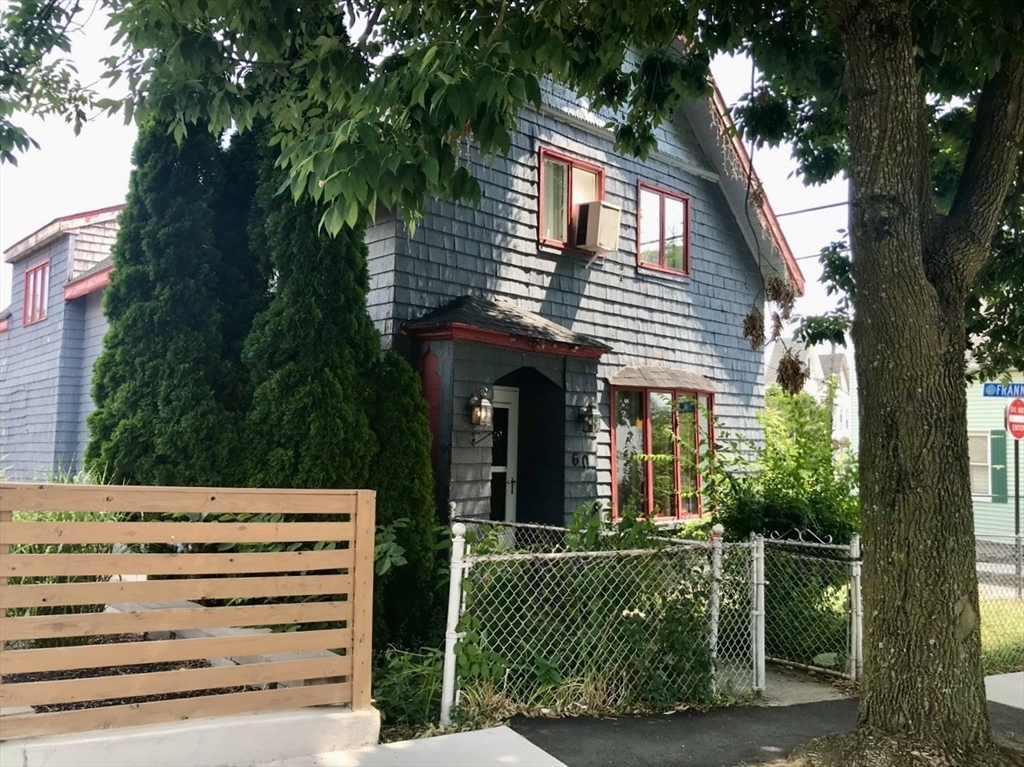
{"points": [[1015, 418]]}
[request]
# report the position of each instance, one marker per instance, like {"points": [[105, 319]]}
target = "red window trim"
{"points": [[33, 312], [660, 266], [547, 153], [649, 468]]}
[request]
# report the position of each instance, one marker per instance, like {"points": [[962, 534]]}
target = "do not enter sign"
{"points": [[1015, 418]]}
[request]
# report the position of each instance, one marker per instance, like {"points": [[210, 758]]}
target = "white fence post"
{"points": [[856, 670], [715, 597], [757, 614], [451, 636]]}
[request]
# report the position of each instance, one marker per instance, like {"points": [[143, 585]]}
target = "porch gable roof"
{"points": [[499, 322]]}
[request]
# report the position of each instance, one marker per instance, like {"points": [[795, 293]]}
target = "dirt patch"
{"points": [[142, 668]]}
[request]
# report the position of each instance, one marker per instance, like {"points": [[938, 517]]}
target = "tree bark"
{"points": [[924, 682]]}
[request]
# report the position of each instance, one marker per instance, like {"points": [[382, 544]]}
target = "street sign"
{"points": [[1002, 390], [1015, 418]]}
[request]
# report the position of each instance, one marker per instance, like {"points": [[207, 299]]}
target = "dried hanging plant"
{"points": [[776, 326], [781, 291], [792, 373], [753, 328]]}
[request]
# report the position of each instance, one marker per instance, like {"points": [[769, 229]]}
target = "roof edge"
{"points": [[458, 331], [24, 247]]}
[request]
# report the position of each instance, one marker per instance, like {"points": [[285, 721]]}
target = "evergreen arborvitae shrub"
{"points": [[405, 604], [156, 384], [310, 352], [242, 285]]}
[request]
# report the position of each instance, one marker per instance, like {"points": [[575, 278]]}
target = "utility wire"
{"points": [[809, 210]]}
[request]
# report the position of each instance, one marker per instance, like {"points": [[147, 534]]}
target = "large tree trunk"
{"points": [[924, 685]]}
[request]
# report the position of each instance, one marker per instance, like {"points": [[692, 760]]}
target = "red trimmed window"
{"points": [[657, 438], [565, 183], [663, 229], [37, 283]]}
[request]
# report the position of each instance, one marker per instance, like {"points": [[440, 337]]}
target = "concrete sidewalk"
{"points": [[1007, 689], [493, 747]]}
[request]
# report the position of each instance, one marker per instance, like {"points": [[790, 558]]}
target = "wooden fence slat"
{"points": [[362, 618], [92, 624], [165, 650], [111, 592], [166, 682], [229, 563], [271, 576], [174, 532], [30, 725], [47, 497]]}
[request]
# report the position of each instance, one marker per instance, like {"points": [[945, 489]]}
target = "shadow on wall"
{"points": [[541, 484]]}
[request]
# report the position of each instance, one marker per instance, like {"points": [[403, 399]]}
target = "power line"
{"points": [[810, 210]]}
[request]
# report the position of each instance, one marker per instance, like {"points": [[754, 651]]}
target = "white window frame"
{"points": [[987, 464]]}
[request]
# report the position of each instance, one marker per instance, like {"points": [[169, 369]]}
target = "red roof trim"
{"points": [[89, 213], [58, 226], [740, 153], [88, 284], [457, 332]]}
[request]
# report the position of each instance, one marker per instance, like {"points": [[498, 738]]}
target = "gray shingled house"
{"points": [[586, 312]]}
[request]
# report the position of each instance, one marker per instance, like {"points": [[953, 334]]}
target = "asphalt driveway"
{"points": [[720, 738]]}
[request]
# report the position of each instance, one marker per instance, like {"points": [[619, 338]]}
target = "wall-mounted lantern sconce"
{"points": [[590, 418], [481, 410]]}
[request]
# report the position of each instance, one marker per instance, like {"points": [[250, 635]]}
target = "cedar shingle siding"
{"points": [[489, 251], [32, 373]]}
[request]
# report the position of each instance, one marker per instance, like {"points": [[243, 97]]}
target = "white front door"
{"points": [[504, 454]]}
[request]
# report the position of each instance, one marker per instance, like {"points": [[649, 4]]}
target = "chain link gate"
{"points": [[813, 607]]}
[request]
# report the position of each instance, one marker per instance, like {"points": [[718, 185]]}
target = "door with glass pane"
{"points": [[504, 454]]}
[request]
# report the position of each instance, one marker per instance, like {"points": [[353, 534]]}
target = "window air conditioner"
{"points": [[597, 226]]}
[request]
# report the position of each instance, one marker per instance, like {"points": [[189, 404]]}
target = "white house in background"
{"points": [[822, 367]]}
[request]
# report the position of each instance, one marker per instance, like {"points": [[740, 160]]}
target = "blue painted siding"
{"points": [[491, 251], [648, 318], [30, 371]]}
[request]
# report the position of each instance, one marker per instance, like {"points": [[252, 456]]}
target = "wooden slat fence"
{"points": [[319, 601]]}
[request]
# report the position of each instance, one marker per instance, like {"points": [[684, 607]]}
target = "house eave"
{"points": [[26, 246], [88, 283], [468, 333], [711, 122]]}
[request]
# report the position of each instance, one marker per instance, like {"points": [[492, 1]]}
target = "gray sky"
{"points": [[70, 174]]}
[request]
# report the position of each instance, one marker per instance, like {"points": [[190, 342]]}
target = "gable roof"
{"points": [[660, 377], [718, 136], [833, 365], [498, 321], [26, 246]]}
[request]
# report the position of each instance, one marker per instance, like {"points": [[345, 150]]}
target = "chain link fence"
{"points": [[544, 620], [1001, 600], [812, 606], [813, 610], [548, 622]]}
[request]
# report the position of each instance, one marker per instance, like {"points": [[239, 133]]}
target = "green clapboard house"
{"points": [[992, 456]]}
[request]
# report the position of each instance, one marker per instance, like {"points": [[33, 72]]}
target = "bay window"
{"points": [[657, 439]]}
